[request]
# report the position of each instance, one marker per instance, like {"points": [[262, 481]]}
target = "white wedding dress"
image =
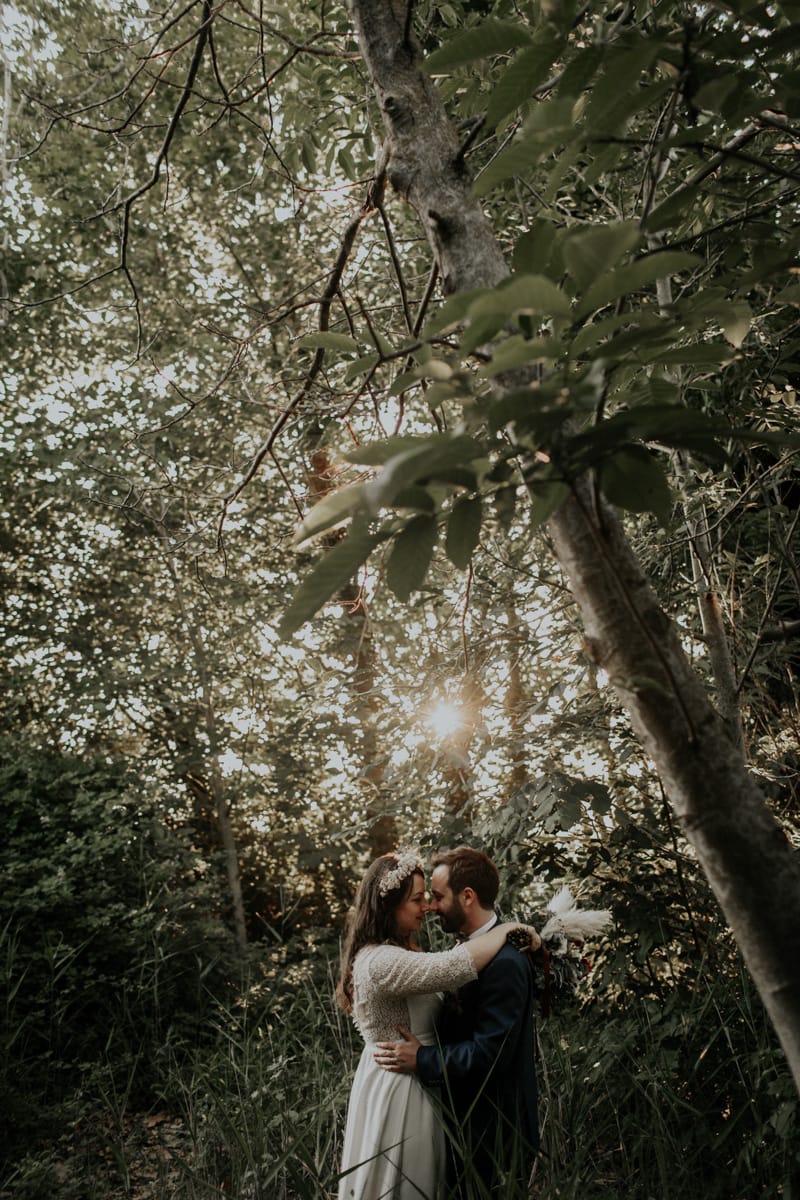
{"points": [[394, 1146]]}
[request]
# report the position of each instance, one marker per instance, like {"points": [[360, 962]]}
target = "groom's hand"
{"points": [[398, 1056]]}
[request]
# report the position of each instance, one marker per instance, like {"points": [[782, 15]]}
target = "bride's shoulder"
{"points": [[373, 948], [377, 952]]}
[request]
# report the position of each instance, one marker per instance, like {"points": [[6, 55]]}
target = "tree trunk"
{"points": [[382, 825], [515, 705], [744, 853]]}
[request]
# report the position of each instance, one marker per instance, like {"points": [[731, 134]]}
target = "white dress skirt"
{"points": [[394, 1146]]}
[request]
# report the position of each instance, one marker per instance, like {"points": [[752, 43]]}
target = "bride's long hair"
{"points": [[372, 921]]}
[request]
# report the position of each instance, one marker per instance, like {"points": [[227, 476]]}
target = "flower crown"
{"points": [[407, 864]]}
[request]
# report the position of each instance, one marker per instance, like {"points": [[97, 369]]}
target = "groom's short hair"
{"points": [[473, 869]]}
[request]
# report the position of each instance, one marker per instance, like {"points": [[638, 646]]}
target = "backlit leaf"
{"points": [[330, 511], [463, 530], [334, 570], [325, 340], [411, 556]]}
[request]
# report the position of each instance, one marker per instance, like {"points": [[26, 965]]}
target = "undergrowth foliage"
{"points": [[639, 1101], [675, 1091]]}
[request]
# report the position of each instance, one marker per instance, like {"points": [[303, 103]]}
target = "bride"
{"points": [[394, 1145]]}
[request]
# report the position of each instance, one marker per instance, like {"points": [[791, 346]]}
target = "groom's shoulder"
{"points": [[509, 962]]}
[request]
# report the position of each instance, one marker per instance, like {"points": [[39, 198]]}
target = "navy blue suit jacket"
{"points": [[484, 1061]]}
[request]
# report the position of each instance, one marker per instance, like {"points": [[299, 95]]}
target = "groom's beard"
{"points": [[454, 920]]}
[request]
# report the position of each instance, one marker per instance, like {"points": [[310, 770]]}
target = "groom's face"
{"points": [[444, 904]]}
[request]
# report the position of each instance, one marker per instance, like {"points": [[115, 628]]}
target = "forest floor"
{"points": [[139, 1157]]}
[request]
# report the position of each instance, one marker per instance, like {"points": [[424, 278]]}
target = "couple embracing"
{"points": [[443, 1105]]}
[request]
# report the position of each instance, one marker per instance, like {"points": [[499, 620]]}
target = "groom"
{"points": [[484, 1059]]}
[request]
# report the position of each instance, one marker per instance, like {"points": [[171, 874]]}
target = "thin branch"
{"points": [[194, 66], [124, 91], [398, 270], [464, 611], [760, 637], [371, 201]]}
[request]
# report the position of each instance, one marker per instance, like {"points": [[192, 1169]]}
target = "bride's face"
{"points": [[410, 914]]}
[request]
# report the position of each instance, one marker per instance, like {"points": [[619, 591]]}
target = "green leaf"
{"points": [[522, 75], [534, 248], [463, 477], [790, 294], [519, 351], [520, 156], [714, 92], [334, 570], [633, 479], [616, 116], [548, 491], [504, 502], [737, 323], [375, 454], [452, 312], [531, 408], [411, 466], [534, 294], [491, 37], [411, 556], [415, 497], [647, 337], [325, 340], [463, 530], [697, 354], [361, 366], [675, 210], [634, 276], [589, 253], [482, 329], [669, 424], [595, 331], [330, 511], [404, 381], [617, 85], [579, 71], [345, 161]]}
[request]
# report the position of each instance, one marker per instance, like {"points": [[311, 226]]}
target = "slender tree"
{"points": [[745, 854]]}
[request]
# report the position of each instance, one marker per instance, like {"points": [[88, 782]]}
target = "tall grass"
{"points": [[689, 1099], [265, 1103], [685, 1100]]}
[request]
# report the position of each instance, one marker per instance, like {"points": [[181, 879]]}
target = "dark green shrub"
{"points": [[110, 941]]}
